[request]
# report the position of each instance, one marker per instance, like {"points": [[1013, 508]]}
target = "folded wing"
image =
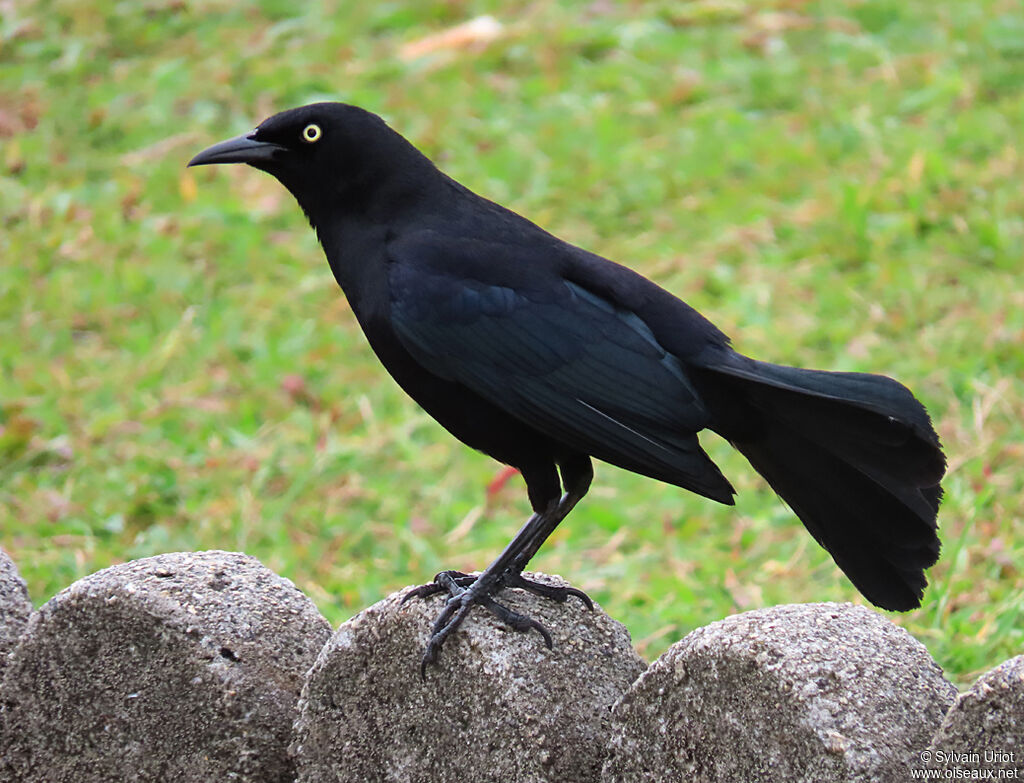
{"points": [[552, 354]]}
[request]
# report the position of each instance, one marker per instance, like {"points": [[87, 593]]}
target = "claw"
{"points": [[443, 627], [560, 594], [442, 583], [423, 591], [464, 592], [518, 622]]}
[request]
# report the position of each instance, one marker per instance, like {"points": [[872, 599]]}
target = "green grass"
{"points": [[835, 184]]}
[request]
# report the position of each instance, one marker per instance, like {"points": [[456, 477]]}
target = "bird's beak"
{"points": [[241, 149]]}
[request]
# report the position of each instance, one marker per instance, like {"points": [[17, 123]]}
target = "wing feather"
{"points": [[557, 357]]}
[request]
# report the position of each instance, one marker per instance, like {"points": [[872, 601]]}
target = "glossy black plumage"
{"points": [[543, 355]]}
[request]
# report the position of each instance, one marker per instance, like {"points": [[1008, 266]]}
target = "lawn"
{"points": [[835, 184]]}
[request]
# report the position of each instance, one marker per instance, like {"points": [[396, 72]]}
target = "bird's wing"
{"points": [[502, 322]]}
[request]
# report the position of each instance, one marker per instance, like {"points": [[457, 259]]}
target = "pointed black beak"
{"points": [[241, 149]]}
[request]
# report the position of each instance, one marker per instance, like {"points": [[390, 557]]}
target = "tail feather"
{"points": [[854, 455]]}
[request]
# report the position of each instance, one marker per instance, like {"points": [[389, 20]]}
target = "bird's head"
{"points": [[329, 155]]}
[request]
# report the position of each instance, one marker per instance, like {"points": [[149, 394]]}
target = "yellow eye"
{"points": [[312, 133]]}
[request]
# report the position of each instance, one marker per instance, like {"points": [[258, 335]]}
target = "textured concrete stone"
{"points": [[815, 692], [985, 728], [499, 706], [15, 607], [180, 667]]}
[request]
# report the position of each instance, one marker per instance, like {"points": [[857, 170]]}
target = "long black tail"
{"points": [[854, 455]]}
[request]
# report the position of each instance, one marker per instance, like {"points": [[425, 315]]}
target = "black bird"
{"points": [[543, 356]]}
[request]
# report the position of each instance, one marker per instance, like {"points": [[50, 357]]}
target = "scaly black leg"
{"points": [[577, 475], [466, 590]]}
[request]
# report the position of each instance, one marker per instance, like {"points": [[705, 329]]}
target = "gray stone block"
{"points": [[15, 607], [499, 706], [815, 692], [180, 667], [985, 728]]}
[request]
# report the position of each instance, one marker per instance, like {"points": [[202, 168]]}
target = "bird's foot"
{"points": [[560, 594], [467, 590], [442, 583], [447, 581]]}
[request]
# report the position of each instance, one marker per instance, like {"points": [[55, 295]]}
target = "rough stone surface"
{"points": [[499, 706], [813, 692], [15, 607], [985, 728], [180, 667]]}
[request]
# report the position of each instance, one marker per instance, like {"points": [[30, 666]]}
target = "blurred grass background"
{"points": [[835, 184]]}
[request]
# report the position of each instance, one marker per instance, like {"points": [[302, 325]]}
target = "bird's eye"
{"points": [[312, 133]]}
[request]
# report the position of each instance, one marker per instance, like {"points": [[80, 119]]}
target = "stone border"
{"points": [[15, 608], [191, 665], [183, 666]]}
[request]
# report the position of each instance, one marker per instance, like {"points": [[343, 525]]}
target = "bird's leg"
{"points": [[465, 590], [540, 526], [577, 476], [456, 582]]}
